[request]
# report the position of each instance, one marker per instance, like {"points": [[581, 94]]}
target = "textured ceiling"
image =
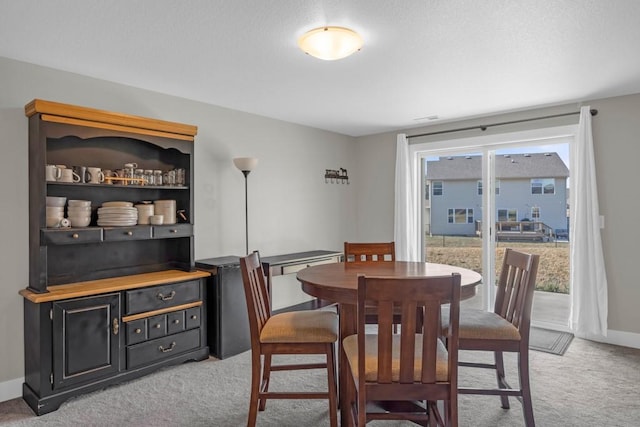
{"points": [[421, 58]]}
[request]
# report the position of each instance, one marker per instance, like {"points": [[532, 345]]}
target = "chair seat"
{"points": [[350, 346], [479, 324], [317, 326]]}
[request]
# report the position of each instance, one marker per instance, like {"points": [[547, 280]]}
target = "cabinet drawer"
{"points": [[294, 268], [175, 322], [157, 297], [71, 236], [136, 331], [192, 318], [172, 230], [157, 326], [127, 233], [154, 350]]}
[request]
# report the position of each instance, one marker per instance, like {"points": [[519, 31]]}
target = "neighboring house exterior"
{"points": [[528, 187]]}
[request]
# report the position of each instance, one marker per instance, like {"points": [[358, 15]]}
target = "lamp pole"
{"points": [[246, 165], [246, 212]]}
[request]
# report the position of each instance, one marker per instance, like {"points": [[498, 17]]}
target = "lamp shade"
{"points": [[245, 164], [330, 43]]}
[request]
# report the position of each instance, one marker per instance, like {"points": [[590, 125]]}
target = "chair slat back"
{"points": [[369, 252], [256, 293], [385, 294], [514, 296]]}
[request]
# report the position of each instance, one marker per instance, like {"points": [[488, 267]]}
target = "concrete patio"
{"points": [[550, 309]]}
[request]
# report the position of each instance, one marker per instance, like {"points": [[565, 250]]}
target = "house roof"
{"points": [[534, 165]]}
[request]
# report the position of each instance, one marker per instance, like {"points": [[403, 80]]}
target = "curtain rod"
{"points": [[593, 112]]}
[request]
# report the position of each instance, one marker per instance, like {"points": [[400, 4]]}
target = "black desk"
{"points": [[228, 323]]}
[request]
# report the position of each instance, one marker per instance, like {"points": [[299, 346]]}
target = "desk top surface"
{"points": [[234, 260]]}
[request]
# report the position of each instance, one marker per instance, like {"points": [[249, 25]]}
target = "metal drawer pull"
{"points": [[138, 331], [194, 317], [168, 349], [116, 326], [177, 321], [129, 233], [173, 230], [164, 297], [157, 326], [75, 236]]}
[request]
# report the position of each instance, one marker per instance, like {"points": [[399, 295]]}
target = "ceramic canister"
{"points": [[144, 212], [166, 208]]}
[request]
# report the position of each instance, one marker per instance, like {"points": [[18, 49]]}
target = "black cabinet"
{"points": [[86, 338], [228, 324], [228, 329], [107, 304]]}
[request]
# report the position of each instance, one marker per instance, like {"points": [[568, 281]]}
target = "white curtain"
{"points": [[406, 228], [588, 275]]}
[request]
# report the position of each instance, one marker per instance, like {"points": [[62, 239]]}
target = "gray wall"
{"points": [[616, 130], [291, 208]]}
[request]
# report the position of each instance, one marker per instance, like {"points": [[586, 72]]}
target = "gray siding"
{"points": [[514, 194]]}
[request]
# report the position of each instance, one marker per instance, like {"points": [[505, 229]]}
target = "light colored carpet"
{"points": [[592, 385]]}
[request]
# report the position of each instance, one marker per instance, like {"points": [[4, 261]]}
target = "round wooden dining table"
{"points": [[338, 283]]}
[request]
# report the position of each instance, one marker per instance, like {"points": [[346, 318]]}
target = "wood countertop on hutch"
{"points": [[95, 287], [82, 116]]}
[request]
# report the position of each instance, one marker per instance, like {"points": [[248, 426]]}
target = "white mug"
{"points": [[53, 173], [68, 175], [95, 175]]}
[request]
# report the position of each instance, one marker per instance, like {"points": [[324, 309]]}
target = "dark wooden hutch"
{"points": [[107, 304]]}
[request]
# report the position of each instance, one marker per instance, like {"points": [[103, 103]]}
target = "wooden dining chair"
{"points": [[405, 367], [506, 329], [295, 333], [369, 252]]}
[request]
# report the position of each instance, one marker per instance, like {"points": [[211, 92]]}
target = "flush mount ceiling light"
{"points": [[330, 43]]}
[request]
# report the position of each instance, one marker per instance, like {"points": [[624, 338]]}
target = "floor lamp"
{"points": [[246, 165]]}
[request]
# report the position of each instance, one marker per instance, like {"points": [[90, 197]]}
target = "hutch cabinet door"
{"points": [[86, 339]]}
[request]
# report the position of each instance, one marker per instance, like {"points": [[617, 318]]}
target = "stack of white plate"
{"points": [[117, 214], [79, 213]]}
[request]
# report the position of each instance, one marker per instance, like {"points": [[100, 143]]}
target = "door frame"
{"points": [[487, 145]]}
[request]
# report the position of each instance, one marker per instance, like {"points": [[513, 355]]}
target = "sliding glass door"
{"points": [[481, 197]]}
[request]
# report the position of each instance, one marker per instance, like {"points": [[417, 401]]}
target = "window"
{"points": [[543, 186], [535, 213], [480, 187], [460, 216], [437, 188], [507, 214]]}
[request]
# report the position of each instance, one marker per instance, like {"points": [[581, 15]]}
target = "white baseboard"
{"points": [[625, 339], [11, 389]]}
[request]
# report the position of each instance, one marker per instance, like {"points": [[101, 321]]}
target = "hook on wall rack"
{"points": [[334, 176]]}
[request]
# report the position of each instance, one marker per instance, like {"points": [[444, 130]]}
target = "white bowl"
{"points": [[156, 219], [79, 209], [55, 210], [53, 221], [79, 203], [56, 201], [79, 221]]}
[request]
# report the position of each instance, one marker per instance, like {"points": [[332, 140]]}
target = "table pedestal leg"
{"points": [[346, 390]]}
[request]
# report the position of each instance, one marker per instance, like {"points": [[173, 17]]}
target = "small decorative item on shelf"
{"points": [[336, 176]]}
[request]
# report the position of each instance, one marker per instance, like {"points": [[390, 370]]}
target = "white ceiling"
{"points": [[421, 58]]}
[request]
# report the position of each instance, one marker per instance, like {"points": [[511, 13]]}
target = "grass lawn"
{"points": [[553, 271]]}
